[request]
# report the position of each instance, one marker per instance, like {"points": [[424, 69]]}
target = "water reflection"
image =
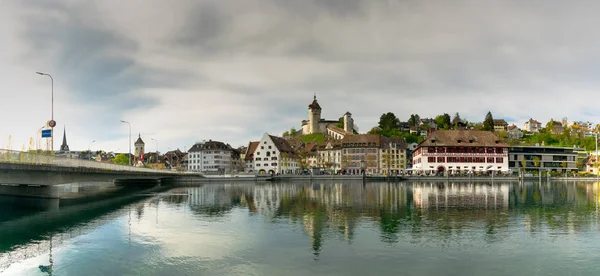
{"points": [[443, 213], [215, 229]]}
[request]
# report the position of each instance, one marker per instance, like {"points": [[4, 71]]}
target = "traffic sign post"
{"points": [[46, 133]]}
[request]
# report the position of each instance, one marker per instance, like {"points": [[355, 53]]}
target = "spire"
{"points": [[64, 146], [314, 105], [315, 97]]}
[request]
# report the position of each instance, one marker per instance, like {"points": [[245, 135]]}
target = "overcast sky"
{"points": [[184, 71]]}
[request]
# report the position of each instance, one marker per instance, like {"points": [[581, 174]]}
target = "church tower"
{"points": [[139, 146], [64, 147], [314, 116]]}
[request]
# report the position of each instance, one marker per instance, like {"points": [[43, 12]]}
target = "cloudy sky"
{"points": [[183, 71]]}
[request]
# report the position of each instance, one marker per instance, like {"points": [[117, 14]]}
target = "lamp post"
{"points": [[156, 141], [125, 122], [89, 149], [53, 123]]}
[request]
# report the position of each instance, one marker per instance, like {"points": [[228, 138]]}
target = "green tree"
{"points": [[388, 121], [121, 159], [340, 123], [287, 133], [375, 130], [413, 121], [488, 123], [455, 120], [293, 132], [443, 121]]}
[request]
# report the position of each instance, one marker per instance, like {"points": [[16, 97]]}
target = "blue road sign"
{"points": [[46, 133]]}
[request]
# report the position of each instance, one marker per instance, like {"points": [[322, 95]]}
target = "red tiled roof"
{"points": [[463, 138], [250, 151]]}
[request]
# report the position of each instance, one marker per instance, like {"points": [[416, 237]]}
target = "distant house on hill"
{"points": [[500, 125], [533, 126]]}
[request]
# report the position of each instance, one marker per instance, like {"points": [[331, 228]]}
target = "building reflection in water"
{"points": [[437, 212]]}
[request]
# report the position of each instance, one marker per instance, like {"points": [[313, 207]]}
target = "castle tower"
{"points": [[64, 147], [139, 146], [348, 122], [314, 116]]}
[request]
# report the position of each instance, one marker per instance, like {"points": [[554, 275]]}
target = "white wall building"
{"points": [[274, 155], [461, 151], [210, 157]]}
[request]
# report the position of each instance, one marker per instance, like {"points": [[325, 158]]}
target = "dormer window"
{"points": [[459, 140], [471, 140], [433, 140]]}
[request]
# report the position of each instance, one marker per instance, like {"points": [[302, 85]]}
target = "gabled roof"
{"points": [[463, 138], [337, 129], [513, 127], [500, 122], [250, 151], [281, 144], [532, 121]]}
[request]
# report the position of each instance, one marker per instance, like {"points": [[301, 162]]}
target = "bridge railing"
{"points": [[21, 157]]}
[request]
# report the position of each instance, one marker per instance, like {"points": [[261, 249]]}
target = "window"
{"points": [[499, 159], [257, 158], [274, 164], [441, 160], [499, 150], [490, 160], [463, 160], [269, 147], [273, 158], [430, 159], [262, 147], [258, 165], [273, 152], [469, 159], [266, 165], [258, 153]]}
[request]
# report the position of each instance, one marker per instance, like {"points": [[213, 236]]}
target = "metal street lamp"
{"points": [[53, 123], [125, 122], [89, 150]]}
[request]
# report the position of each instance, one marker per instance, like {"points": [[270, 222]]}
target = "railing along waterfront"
{"points": [[34, 158]]}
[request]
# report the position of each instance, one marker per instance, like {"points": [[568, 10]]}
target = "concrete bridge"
{"points": [[25, 173]]}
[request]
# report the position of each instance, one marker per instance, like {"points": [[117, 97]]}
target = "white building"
{"points": [[274, 155], [461, 151], [210, 157], [533, 126], [331, 155]]}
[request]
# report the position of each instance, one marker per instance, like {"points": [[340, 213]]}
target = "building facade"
{"points": [[532, 158], [533, 126], [211, 157], [500, 125], [249, 156], [274, 155], [331, 154], [445, 151], [361, 153], [392, 155]]}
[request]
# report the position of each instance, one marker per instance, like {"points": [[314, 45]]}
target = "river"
{"points": [[328, 228]]}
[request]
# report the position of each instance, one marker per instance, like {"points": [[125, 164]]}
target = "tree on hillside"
{"points": [[375, 130], [286, 133], [388, 121], [488, 123], [414, 120], [442, 121], [340, 122], [293, 132], [455, 120]]}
